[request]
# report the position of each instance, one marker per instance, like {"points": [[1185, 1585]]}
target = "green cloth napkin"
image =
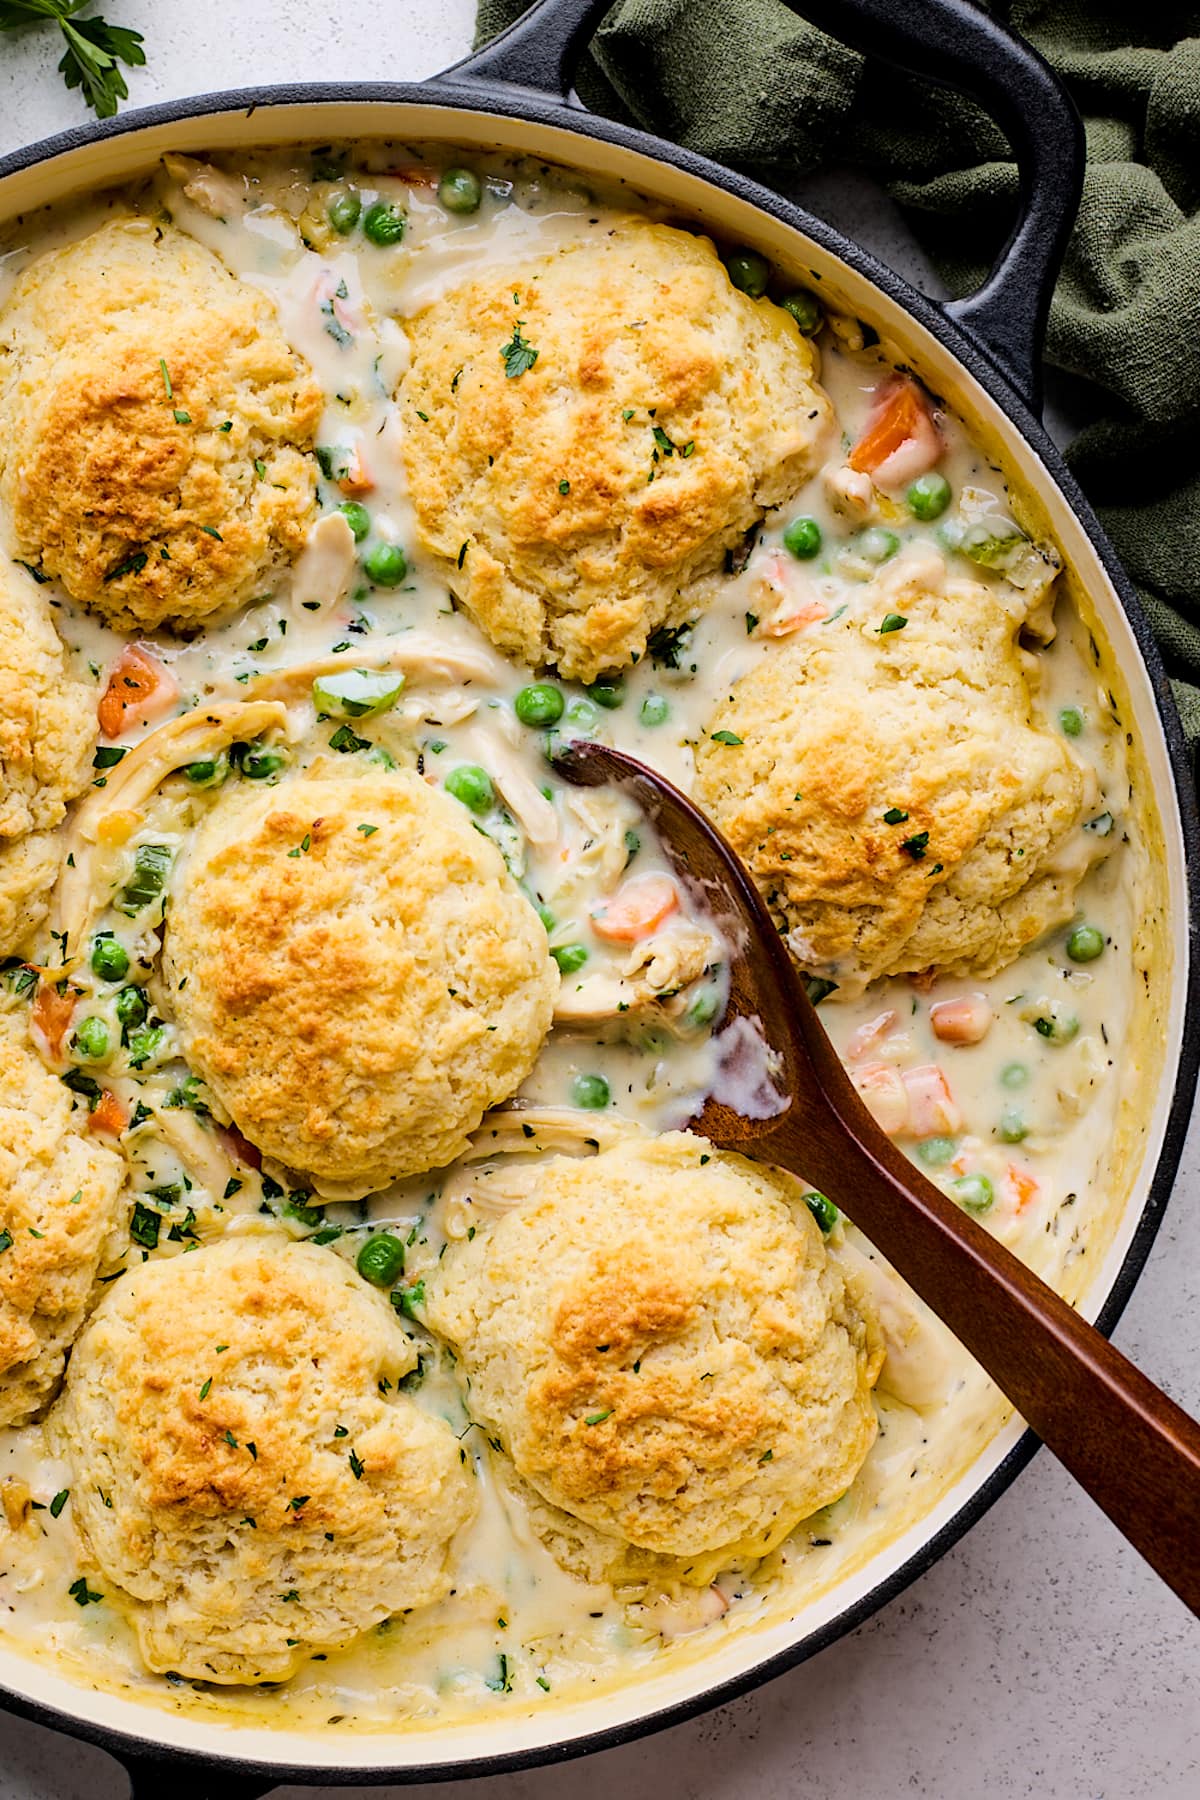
{"points": [[750, 84]]}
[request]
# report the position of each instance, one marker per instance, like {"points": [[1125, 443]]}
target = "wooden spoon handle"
{"points": [[1135, 1452]]}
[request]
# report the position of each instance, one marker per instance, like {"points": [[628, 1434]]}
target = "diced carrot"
{"points": [[357, 478], [884, 1096], [809, 612], [109, 1114], [50, 1018], [139, 684], [418, 175], [900, 420], [932, 1112], [636, 909], [868, 1035], [965, 1020], [1024, 1186]]}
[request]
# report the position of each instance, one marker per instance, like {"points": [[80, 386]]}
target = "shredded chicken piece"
{"points": [[198, 1148], [414, 653], [850, 492], [192, 736], [653, 976], [922, 1356], [215, 193], [325, 567], [532, 811]]}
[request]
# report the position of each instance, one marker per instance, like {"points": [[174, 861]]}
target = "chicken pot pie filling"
{"points": [[353, 1010]]}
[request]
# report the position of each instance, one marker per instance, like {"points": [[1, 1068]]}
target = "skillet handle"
{"points": [[948, 41], [152, 1778]]}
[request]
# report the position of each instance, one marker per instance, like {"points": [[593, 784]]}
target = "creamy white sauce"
{"points": [[517, 1630]]}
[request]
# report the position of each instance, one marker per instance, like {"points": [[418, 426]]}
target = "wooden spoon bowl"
{"points": [[784, 1098]]}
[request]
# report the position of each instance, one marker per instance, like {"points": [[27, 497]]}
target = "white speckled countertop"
{"points": [[1040, 1657]]}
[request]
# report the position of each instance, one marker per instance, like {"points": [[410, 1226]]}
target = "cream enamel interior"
{"points": [[690, 1674]]}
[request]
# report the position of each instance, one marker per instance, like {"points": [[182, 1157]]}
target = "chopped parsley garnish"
{"points": [[726, 737], [297, 1500], [766, 1456], [232, 1186], [406, 1300], [501, 1683], [82, 1594], [212, 532], [895, 815], [564, 487], [893, 622], [59, 1501], [344, 740], [230, 1439], [333, 324], [368, 830], [166, 375], [6, 1239], [145, 1226], [356, 1466], [598, 1418], [206, 1387], [519, 354], [751, 623], [668, 644], [129, 565], [916, 845], [260, 468], [182, 418]]}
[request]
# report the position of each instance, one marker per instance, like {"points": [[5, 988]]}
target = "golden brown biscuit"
{"points": [[61, 1222], [662, 1345], [47, 734], [153, 428], [356, 975], [892, 793], [578, 505], [244, 1470]]}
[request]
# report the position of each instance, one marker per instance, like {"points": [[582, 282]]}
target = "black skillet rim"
{"points": [[153, 1757]]}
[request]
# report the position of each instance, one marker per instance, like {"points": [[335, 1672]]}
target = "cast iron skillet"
{"points": [[996, 335]]}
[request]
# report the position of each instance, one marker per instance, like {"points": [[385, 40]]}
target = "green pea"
{"points": [[357, 693], [110, 960], [144, 1043], [383, 224], [541, 703], [460, 191], [608, 692], [936, 1151], [929, 496], [259, 764], [1085, 944], [1057, 1027], [381, 1259], [749, 271], [473, 786], [805, 309], [91, 1039], [386, 565], [1070, 721], [1014, 1075], [570, 957], [582, 717], [357, 518], [655, 710], [343, 211], [974, 1193], [1012, 1128], [591, 1091], [803, 538], [877, 544], [209, 772], [131, 1006], [823, 1210], [704, 1008]]}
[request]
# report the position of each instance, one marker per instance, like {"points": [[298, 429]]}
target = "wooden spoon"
{"points": [[1134, 1451]]}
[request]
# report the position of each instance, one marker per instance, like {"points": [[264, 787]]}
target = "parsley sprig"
{"points": [[94, 48]]}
